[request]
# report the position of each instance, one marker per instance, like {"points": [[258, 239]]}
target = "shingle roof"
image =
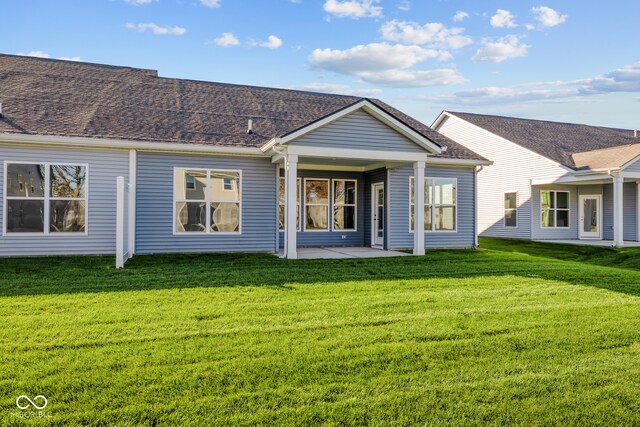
{"points": [[554, 140], [607, 158], [66, 98]]}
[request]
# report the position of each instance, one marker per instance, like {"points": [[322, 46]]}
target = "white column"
{"points": [[290, 179], [418, 208], [132, 202], [638, 211], [120, 218], [618, 206]]}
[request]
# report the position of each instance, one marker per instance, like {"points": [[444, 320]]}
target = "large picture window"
{"points": [[45, 198], [554, 207], [344, 204], [440, 204], [281, 209], [316, 198], [511, 209], [207, 201]]}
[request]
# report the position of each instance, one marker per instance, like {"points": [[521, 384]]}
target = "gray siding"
{"points": [[333, 238], [398, 228], [154, 205], [513, 169], [358, 130], [633, 167], [629, 216], [104, 167]]}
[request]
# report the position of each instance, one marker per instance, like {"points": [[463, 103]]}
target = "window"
{"points": [[440, 204], [316, 197], [554, 206], [511, 209], [45, 198], [344, 204], [207, 204], [281, 212]]}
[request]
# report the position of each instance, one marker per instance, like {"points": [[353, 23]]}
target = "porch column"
{"points": [[618, 207], [638, 211], [290, 199], [418, 208]]}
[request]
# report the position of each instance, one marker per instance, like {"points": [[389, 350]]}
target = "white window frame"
{"points": [[298, 203], [208, 201], [328, 205], [556, 209], [433, 205], [334, 205], [46, 199], [504, 210]]}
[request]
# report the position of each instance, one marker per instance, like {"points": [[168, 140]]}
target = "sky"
{"points": [[562, 60]]}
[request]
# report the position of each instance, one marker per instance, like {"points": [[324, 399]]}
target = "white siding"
{"points": [[358, 130], [104, 167], [513, 169]]}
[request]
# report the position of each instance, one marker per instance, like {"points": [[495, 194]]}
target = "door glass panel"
{"points": [[590, 209]]}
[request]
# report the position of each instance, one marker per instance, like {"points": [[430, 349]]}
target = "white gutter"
{"points": [[459, 162], [106, 143]]}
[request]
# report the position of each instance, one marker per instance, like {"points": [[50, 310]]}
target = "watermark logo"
{"points": [[31, 408], [21, 399]]}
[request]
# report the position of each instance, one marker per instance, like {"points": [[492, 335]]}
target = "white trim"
{"points": [[419, 183], [46, 199], [581, 215], [371, 109], [572, 179], [458, 162], [555, 209], [298, 204], [517, 209], [305, 204], [107, 143], [618, 210], [208, 201], [333, 206], [353, 153], [133, 172], [446, 113], [433, 205], [120, 214], [291, 181], [374, 212]]}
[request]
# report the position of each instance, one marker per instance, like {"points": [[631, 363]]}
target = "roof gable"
{"points": [[553, 140]]}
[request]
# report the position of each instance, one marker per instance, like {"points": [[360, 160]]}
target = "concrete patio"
{"points": [[346, 252], [590, 242]]}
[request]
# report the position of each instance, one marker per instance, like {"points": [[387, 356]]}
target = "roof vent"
{"points": [[250, 127], [635, 131], [1, 115]]}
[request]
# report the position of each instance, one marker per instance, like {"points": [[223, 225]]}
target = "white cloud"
{"points": [[354, 9], [210, 3], [336, 88], [140, 2], [35, 54], [404, 6], [460, 16], [621, 80], [530, 27], [503, 19], [272, 42], [408, 78], [157, 29], [386, 64], [547, 17], [226, 40], [504, 48], [433, 34], [296, 1], [372, 57]]}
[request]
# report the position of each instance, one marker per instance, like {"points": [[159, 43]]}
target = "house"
{"points": [[552, 181], [100, 159]]}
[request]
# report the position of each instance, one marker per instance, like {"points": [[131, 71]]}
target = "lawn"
{"points": [[518, 333]]}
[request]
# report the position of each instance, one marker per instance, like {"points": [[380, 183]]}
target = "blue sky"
{"points": [[563, 60]]}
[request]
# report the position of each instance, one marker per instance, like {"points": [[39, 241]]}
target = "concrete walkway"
{"points": [[346, 252]]}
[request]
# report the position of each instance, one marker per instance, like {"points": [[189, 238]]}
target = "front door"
{"points": [[377, 214], [590, 217]]}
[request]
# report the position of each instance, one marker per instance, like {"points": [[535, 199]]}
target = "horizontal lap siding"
{"points": [[512, 171], [399, 234], [154, 210], [629, 200], [358, 130], [333, 238], [104, 167]]}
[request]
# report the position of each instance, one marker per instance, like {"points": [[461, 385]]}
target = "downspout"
{"points": [[476, 170]]}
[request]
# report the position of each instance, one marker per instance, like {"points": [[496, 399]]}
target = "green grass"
{"points": [[519, 333]]}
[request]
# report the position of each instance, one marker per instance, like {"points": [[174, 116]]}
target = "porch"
{"points": [[590, 242], [342, 252]]}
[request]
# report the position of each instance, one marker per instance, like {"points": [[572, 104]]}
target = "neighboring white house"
{"points": [[552, 181]]}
